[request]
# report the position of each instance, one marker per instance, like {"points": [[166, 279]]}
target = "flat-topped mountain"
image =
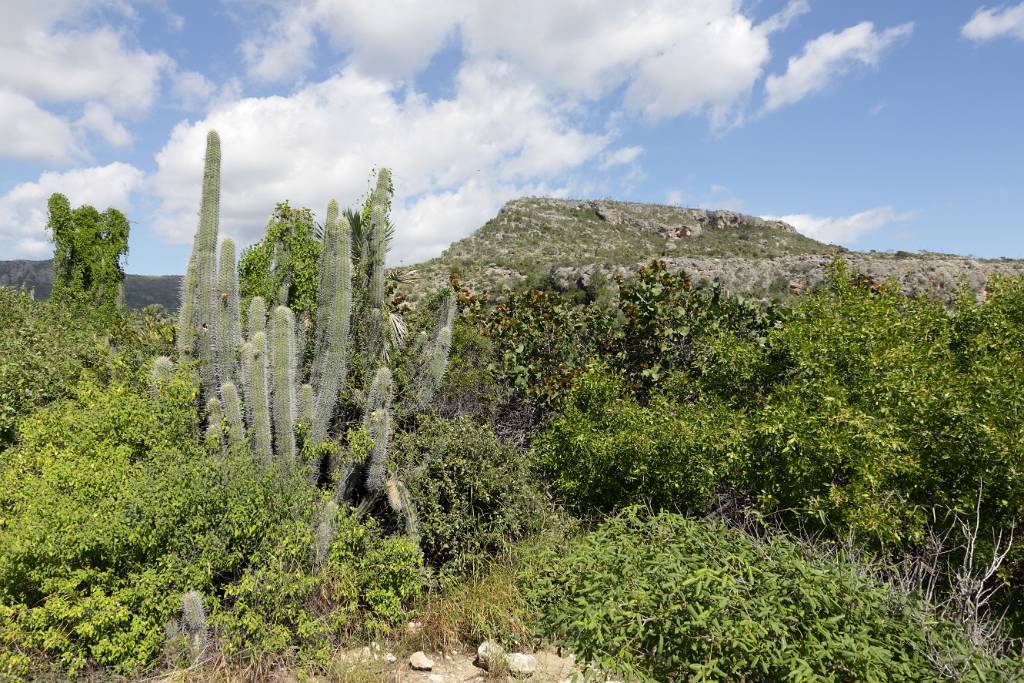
{"points": [[568, 240]]}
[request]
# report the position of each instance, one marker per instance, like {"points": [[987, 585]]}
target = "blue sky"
{"points": [[877, 125]]}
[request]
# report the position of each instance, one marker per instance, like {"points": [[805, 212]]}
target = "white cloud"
{"points": [[673, 58], [23, 209], [620, 157], [192, 89], [674, 198], [30, 132], [96, 118], [989, 23], [454, 160], [394, 41], [844, 229], [828, 57], [44, 60]]}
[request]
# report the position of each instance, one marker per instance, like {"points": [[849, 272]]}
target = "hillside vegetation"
{"points": [[647, 478], [564, 242]]}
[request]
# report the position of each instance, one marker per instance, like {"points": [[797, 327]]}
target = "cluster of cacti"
{"points": [[253, 382]]}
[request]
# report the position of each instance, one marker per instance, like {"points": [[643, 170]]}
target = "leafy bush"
{"points": [[604, 450], [284, 603], [668, 598], [47, 347], [474, 496], [110, 510]]}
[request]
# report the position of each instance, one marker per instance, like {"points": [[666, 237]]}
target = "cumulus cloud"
{"points": [[455, 160], [828, 57], [989, 23], [192, 89], [620, 157], [674, 58], [32, 133], [845, 229], [396, 41], [45, 60], [96, 118], [23, 209]]}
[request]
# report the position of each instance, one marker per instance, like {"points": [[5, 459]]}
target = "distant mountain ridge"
{"points": [[139, 290], [566, 241]]}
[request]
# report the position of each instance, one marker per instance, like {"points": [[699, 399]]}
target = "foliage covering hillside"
{"points": [[667, 480]]}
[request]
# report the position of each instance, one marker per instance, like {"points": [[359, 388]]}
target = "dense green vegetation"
{"points": [[673, 483]]}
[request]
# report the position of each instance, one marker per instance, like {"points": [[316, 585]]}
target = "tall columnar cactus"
{"points": [[198, 320], [259, 391], [193, 623], [233, 413], [433, 362], [245, 369], [330, 359], [378, 236], [257, 316], [214, 417], [229, 319], [188, 320], [325, 530], [161, 373], [377, 420], [374, 324], [305, 400], [266, 365], [282, 360]]}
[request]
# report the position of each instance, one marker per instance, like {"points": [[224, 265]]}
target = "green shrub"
{"points": [[605, 451], [284, 604], [474, 496], [110, 510], [46, 348], [667, 598]]}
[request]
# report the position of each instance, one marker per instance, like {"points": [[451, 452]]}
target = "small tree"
{"points": [[88, 247]]}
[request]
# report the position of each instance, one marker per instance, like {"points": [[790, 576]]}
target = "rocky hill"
{"points": [[139, 290], [567, 241]]}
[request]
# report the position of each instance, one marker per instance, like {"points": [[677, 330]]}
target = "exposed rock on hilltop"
{"points": [[535, 235], [568, 240], [674, 222]]}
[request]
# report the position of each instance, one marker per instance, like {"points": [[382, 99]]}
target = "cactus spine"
{"points": [[257, 316], [161, 373], [188, 321], [203, 266], [282, 336], [434, 357], [377, 420], [193, 623], [330, 360], [229, 322], [380, 200], [233, 413], [305, 399], [259, 391], [214, 417]]}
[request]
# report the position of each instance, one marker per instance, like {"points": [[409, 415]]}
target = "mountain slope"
{"points": [[139, 290], [567, 241]]}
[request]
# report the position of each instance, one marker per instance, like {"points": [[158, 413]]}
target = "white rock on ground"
{"points": [[522, 664], [420, 661], [488, 655]]}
